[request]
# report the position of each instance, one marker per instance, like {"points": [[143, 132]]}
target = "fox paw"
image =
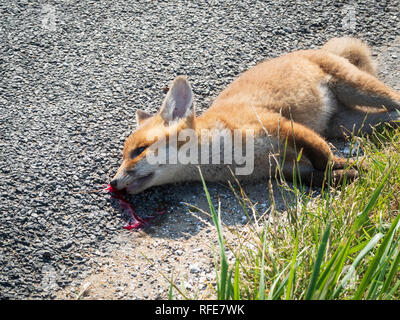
{"points": [[338, 176], [353, 163]]}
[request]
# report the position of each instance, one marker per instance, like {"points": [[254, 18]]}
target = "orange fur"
{"points": [[298, 98]]}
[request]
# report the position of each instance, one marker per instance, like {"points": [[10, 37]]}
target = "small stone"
{"points": [[194, 268]]}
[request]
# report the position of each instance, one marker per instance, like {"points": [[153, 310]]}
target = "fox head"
{"points": [[136, 173]]}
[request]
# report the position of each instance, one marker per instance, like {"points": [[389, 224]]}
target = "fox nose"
{"points": [[114, 183]]}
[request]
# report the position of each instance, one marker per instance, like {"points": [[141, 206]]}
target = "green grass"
{"points": [[342, 244]]}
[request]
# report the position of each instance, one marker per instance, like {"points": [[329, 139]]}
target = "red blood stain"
{"points": [[135, 222]]}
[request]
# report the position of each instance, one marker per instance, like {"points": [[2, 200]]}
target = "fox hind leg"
{"points": [[312, 177], [348, 121], [354, 87], [316, 150]]}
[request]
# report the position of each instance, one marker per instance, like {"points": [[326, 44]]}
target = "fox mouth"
{"points": [[139, 183]]}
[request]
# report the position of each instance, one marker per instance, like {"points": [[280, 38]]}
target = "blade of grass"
{"points": [[261, 290], [392, 272], [371, 203], [318, 261], [371, 244], [236, 282], [223, 279], [327, 273], [374, 265], [292, 270], [384, 263]]}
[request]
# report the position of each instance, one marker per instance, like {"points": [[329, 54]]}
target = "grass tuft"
{"points": [[339, 244]]}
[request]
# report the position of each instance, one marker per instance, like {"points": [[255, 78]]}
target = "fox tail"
{"points": [[354, 50]]}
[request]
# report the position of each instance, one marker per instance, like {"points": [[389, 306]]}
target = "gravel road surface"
{"points": [[72, 75]]}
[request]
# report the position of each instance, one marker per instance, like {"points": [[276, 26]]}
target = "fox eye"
{"points": [[137, 152]]}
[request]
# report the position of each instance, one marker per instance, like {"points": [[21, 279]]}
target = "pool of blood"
{"points": [[135, 222]]}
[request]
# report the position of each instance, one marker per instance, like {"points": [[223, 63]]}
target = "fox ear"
{"points": [[178, 103], [142, 115]]}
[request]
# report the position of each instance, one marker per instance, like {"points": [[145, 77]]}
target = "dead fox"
{"points": [[291, 104]]}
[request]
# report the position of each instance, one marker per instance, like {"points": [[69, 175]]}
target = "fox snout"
{"points": [[116, 183], [131, 179], [122, 178]]}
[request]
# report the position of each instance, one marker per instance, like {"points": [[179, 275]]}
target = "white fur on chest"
{"points": [[329, 106]]}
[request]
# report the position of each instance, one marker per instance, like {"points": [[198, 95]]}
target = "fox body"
{"points": [[291, 104]]}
